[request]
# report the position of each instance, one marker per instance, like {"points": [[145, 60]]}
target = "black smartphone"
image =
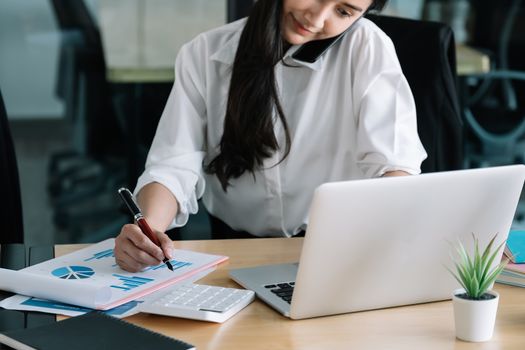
{"points": [[313, 50]]}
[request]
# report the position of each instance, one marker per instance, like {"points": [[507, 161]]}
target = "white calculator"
{"points": [[198, 302]]}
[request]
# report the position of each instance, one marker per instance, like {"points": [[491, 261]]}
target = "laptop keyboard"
{"points": [[282, 290]]}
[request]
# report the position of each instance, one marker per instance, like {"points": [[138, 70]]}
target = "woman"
{"points": [[254, 130]]}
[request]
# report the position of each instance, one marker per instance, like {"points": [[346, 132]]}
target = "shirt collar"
{"points": [[226, 55]]}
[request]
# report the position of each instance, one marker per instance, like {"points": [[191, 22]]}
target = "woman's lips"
{"points": [[300, 29]]}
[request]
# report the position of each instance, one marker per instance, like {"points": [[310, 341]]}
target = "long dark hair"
{"points": [[248, 137]]}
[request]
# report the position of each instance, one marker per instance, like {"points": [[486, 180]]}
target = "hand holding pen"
{"points": [[128, 199]]}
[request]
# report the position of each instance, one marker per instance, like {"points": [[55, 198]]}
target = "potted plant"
{"points": [[475, 305]]}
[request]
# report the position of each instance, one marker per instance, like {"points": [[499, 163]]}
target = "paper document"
{"points": [[25, 303], [91, 278], [42, 286]]}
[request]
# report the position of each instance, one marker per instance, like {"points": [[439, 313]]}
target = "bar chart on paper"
{"points": [[95, 266], [130, 282], [108, 253], [176, 265]]}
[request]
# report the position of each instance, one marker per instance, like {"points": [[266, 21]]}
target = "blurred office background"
{"points": [[70, 122]]}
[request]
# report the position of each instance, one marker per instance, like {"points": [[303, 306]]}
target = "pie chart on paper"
{"points": [[73, 272]]}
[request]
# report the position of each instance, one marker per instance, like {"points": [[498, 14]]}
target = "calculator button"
{"points": [[200, 302]]}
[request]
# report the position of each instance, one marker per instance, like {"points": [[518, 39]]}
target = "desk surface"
{"points": [[425, 326]]}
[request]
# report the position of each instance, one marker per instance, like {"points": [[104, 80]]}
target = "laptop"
{"points": [[379, 243]]}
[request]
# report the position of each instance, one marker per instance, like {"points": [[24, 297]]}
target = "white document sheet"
{"points": [[91, 278], [25, 303]]}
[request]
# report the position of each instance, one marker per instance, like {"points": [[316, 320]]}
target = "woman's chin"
{"points": [[295, 39]]}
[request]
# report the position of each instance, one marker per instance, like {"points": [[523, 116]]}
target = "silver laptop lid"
{"points": [[384, 242]]}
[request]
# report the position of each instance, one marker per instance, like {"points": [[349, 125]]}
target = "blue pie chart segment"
{"points": [[73, 272]]}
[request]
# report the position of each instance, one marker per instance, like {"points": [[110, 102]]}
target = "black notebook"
{"points": [[90, 331]]}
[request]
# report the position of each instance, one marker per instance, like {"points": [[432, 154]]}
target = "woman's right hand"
{"points": [[134, 250]]}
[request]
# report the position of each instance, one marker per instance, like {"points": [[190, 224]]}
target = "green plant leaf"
{"points": [[473, 272], [463, 275], [465, 258], [460, 281], [491, 278], [460, 273], [477, 258], [478, 269], [490, 260], [474, 287], [488, 249]]}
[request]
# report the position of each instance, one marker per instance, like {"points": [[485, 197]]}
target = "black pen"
{"points": [[128, 199]]}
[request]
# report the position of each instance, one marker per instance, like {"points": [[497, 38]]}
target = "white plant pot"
{"points": [[475, 319]]}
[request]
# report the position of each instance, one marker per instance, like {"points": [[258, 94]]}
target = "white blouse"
{"points": [[351, 115]]}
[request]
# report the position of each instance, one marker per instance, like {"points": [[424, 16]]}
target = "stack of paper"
{"points": [[90, 279], [514, 272]]}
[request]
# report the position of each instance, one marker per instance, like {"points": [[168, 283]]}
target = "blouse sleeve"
{"points": [[387, 137], [177, 151]]}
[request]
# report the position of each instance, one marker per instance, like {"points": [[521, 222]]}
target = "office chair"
{"points": [[12, 249], [493, 114], [11, 214], [81, 84], [426, 52], [238, 9], [82, 180]]}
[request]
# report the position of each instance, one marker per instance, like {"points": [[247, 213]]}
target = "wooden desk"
{"points": [[426, 326]]}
